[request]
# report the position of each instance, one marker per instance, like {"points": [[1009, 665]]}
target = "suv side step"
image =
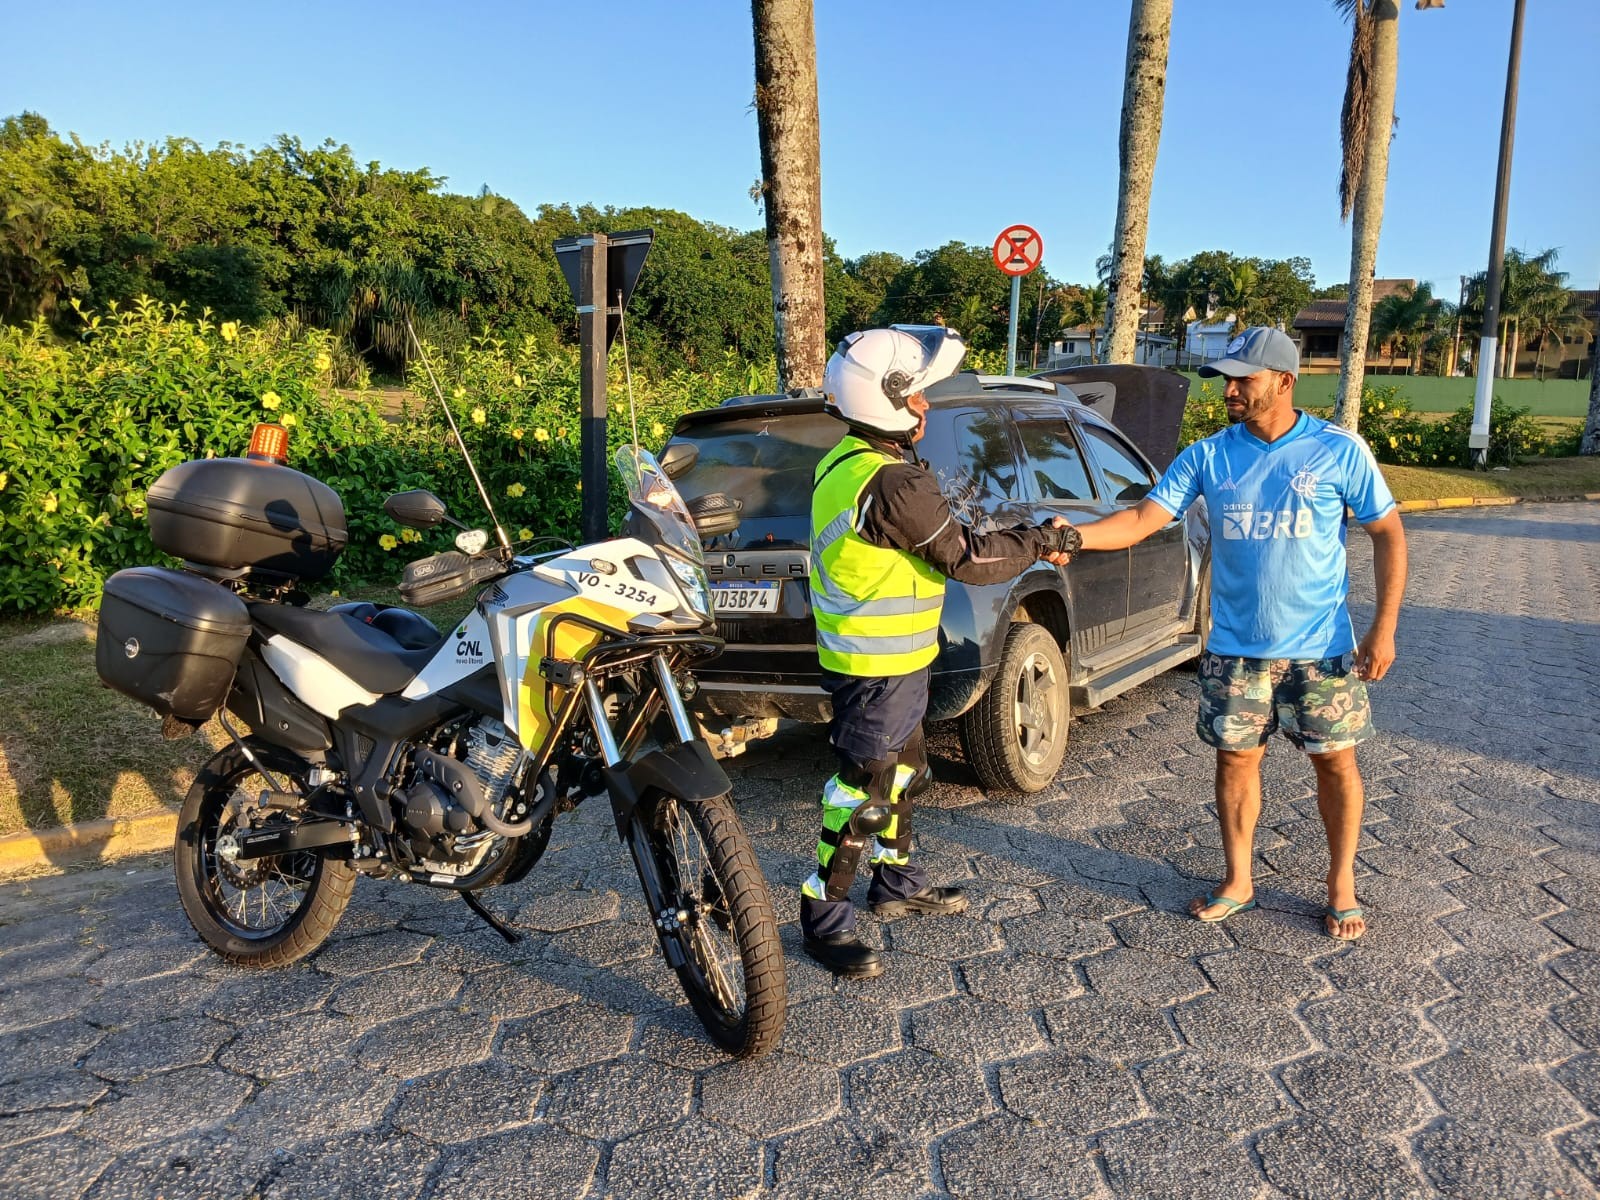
{"points": [[1109, 684]]}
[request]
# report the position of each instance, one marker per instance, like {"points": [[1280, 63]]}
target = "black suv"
{"points": [[1016, 657]]}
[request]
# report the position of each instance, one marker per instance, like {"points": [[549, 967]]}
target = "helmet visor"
{"points": [[939, 352]]}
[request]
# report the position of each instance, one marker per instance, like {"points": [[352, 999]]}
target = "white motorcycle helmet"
{"points": [[872, 373]]}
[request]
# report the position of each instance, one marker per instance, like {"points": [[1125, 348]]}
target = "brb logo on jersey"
{"points": [[1243, 523]]}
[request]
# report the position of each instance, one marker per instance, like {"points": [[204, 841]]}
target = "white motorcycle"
{"points": [[379, 745]]}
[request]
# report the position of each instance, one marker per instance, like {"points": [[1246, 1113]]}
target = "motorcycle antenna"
{"points": [[422, 356], [627, 367]]}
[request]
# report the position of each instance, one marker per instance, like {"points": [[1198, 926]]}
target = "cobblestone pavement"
{"points": [[1072, 1035]]}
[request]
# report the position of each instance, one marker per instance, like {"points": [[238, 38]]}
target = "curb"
{"points": [[1488, 501], [101, 841]]}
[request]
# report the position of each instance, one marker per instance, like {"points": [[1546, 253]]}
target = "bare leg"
{"points": [[1340, 801], [1238, 809]]}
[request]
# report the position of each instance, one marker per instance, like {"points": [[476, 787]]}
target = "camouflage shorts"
{"points": [[1320, 704]]}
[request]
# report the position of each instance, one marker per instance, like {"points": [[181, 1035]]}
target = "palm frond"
{"points": [[1355, 115]]}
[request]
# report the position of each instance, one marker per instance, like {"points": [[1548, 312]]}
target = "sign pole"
{"points": [[1011, 332], [1017, 250]]}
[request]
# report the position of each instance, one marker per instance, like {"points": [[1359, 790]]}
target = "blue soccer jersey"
{"points": [[1279, 580]]}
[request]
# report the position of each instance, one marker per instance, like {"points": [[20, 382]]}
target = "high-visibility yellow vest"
{"points": [[877, 610]]}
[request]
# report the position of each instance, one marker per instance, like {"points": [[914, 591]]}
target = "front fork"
{"points": [[669, 919]]}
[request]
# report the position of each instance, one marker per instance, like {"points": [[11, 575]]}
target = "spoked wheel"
{"points": [[1016, 735], [717, 901], [263, 912]]}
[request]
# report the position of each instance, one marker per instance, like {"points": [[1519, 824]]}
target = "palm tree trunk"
{"points": [[1591, 426], [1366, 216], [791, 183], [1144, 85]]}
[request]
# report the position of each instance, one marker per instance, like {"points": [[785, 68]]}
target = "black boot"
{"points": [[845, 954], [940, 901]]}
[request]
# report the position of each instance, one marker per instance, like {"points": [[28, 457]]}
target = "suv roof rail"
{"points": [[1017, 381]]}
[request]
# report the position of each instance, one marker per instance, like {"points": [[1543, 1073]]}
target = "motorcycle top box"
{"points": [[171, 640], [239, 515]]}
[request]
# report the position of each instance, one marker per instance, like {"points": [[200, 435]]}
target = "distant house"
{"points": [[1319, 325], [1081, 344]]}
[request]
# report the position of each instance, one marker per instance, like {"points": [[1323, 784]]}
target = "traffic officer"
{"points": [[883, 540]]}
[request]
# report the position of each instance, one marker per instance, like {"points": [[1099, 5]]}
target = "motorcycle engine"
{"points": [[436, 807]]}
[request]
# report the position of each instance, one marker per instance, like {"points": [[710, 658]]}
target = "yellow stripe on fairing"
{"points": [[572, 642]]}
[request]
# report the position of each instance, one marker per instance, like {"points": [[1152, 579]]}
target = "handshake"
{"points": [[1061, 542]]}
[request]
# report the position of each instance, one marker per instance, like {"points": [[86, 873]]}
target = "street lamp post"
{"points": [[1478, 440]]}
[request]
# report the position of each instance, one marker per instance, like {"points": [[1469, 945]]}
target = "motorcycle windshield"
{"points": [[657, 502]]}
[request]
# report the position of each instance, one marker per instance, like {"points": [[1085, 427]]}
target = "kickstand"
{"points": [[489, 919]]}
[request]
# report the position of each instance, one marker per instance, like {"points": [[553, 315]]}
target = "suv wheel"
{"points": [[1016, 735]]}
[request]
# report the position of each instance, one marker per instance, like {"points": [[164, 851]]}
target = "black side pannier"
{"points": [[170, 639], [242, 515]]}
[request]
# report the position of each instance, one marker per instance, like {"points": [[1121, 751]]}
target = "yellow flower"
{"points": [[656, 430], [517, 433], [580, 485], [270, 400], [323, 362], [287, 420], [230, 330], [1393, 443], [459, 393], [388, 542], [562, 432], [524, 535], [4, 479], [50, 503], [479, 416], [541, 434], [410, 535], [515, 490], [1380, 405]]}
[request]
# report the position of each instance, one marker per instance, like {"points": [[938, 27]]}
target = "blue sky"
{"points": [[940, 121]]}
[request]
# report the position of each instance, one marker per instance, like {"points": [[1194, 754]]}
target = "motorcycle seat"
{"points": [[367, 654]]}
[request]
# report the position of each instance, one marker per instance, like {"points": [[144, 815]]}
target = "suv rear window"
{"points": [[767, 462]]}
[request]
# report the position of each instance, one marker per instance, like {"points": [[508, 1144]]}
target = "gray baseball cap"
{"points": [[1259, 348]]}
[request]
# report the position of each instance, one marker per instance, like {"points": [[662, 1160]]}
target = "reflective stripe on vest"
{"points": [[877, 609]]}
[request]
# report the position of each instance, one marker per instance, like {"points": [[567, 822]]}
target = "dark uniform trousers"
{"points": [[876, 732]]}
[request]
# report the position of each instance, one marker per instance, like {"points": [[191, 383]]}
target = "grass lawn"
{"points": [[72, 750], [1429, 393], [1537, 477]]}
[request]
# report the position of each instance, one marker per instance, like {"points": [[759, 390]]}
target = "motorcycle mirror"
{"points": [[419, 509], [472, 541], [715, 514], [678, 459]]}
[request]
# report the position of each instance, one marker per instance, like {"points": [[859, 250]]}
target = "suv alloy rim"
{"points": [[1034, 709]]}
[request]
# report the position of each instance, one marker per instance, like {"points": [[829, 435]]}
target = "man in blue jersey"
{"points": [[1282, 654]]}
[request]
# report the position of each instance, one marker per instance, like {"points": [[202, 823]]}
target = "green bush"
{"points": [[86, 427], [1398, 436]]}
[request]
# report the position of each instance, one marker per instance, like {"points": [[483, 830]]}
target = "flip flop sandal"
{"points": [[1231, 907], [1340, 916]]}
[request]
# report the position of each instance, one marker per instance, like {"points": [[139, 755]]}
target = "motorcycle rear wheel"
{"points": [[733, 973], [265, 912]]}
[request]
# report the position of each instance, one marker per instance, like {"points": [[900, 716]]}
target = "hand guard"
{"points": [[1064, 539]]}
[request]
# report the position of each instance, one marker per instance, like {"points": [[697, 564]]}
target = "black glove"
{"points": [[1063, 539]]}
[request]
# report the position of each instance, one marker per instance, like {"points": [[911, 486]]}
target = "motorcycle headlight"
{"points": [[692, 582]]}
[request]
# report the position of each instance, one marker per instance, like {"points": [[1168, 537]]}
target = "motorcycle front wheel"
{"points": [[263, 912], [733, 969]]}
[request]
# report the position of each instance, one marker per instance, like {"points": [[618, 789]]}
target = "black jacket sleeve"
{"points": [[903, 509]]}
